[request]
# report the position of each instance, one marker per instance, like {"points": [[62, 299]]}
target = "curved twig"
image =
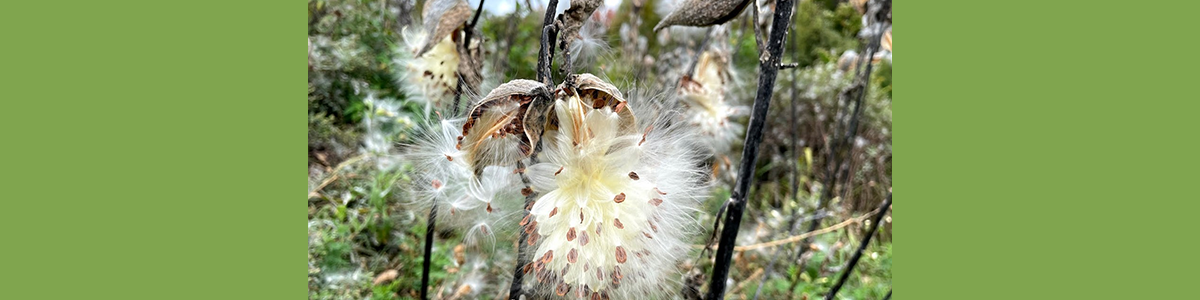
{"points": [[861, 246], [768, 69]]}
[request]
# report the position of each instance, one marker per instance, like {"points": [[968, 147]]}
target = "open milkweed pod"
{"points": [[479, 202], [441, 18], [708, 109], [596, 93], [700, 13], [619, 189], [505, 126]]}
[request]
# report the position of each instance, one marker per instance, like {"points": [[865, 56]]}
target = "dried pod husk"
{"points": [[701, 13], [504, 126], [441, 18], [597, 93], [572, 19]]}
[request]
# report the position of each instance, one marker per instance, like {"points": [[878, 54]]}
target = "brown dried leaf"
{"points": [[386, 276]]}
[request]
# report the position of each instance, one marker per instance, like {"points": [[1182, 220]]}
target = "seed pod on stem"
{"points": [[625, 242]]}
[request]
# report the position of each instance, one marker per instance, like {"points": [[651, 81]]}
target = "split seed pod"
{"points": [[441, 18], [595, 211], [702, 13], [572, 19], [506, 125]]}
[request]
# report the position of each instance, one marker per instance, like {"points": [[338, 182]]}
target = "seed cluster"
{"points": [[594, 166]]}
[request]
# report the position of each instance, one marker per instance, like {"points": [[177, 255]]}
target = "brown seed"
{"points": [[565, 269], [595, 296], [656, 201], [621, 254], [528, 267], [526, 191], [572, 256], [532, 239], [599, 274], [587, 266], [559, 171], [603, 295], [548, 256], [634, 176], [598, 227], [619, 198], [538, 266], [660, 192], [437, 184], [645, 134], [483, 229], [553, 212], [617, 272], [571, 234], [580, 217], [617, 222], [519, 170], [652, 226], [563, 288], [489, 207], [525, 221], [529, 229], [647, 235], [583, 239], [449, 158]]}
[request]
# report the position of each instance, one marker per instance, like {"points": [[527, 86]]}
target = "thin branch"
{"points": [[795, 167], [802, 236], [316, 191], [753, 276], [758, 39], [833, 163], [467, 32], [429, 231], [545, 57], [762, 102], [514, 290], [887, 203]]}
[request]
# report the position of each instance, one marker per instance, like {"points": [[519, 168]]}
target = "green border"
{"points": [[1045, 150], [154, 150]]}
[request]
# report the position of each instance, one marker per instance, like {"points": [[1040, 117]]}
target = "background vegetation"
{"points": [[365, 241]]}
